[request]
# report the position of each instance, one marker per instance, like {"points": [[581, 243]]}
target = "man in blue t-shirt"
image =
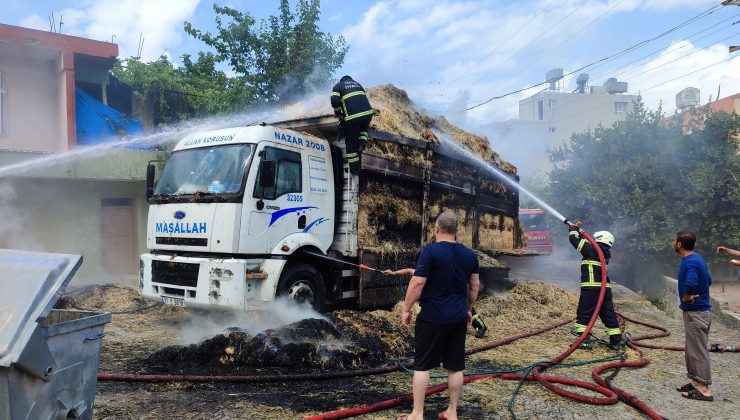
{"points": [[446, 284], [693, 293]]}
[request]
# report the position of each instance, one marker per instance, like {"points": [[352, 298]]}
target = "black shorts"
{"points": [[439, 343]]}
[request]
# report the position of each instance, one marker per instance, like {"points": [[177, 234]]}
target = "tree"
{"points": [[645, 180], [283, 58], [166, 93]]}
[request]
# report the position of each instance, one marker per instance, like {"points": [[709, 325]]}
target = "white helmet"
{"points": [[604, 237]]}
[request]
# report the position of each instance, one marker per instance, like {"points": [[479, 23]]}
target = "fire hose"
{"points": [[610, 393]]}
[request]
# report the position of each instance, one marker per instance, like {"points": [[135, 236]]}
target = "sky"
{"points": [[451, 55]]}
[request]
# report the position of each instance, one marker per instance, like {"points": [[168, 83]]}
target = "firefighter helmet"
{"points": [[604, 237]]}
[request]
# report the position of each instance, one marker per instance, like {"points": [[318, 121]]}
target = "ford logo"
{"points": [[179, 215]]}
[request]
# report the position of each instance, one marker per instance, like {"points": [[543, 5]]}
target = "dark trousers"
{"points": [[587, 305], [355, 134]]}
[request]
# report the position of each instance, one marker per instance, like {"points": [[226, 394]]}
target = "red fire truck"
{"points": [[536, 230]]}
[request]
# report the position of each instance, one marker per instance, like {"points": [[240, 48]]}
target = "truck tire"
{"points": [[302, 283]]}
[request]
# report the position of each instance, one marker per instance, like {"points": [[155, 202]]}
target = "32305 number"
{"points": [[296, 198]]}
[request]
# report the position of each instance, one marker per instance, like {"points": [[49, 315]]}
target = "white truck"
{"points": [[239, 216]]}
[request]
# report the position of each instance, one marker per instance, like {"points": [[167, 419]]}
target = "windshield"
{"points": [[211, 170], [533, 221]]}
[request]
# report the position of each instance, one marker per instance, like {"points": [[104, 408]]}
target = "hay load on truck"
{"points": [[240, 216]]}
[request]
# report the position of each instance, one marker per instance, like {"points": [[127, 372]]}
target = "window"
{"points": [[3, 105], [206, 170], [620, 107], [288, 174], [551, 103], [540, 110], [551, 129]]}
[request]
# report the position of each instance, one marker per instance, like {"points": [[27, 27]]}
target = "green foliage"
{"points": [[645, 180], [172, 94], [281, 59]]}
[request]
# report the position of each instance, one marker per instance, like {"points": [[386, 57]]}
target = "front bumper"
{"points": [[209, 283]]}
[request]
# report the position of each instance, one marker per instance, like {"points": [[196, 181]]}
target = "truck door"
{"points": [[275, 212]]}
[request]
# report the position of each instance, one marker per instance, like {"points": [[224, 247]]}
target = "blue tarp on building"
{"points": [[98, 123]]}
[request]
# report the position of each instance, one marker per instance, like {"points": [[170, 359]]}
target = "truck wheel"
{"points": [[302, 283]]}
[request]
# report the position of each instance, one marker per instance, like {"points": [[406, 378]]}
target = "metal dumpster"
{"points": [[48, 357]]}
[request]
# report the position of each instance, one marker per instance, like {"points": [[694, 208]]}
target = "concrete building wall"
{"points": [[566, 113], [36, 99], [58, 215]]}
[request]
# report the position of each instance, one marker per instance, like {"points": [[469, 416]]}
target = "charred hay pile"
{"points": [[348, 339]]}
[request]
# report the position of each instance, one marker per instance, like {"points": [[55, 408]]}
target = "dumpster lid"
{"points": [[31, 283]]}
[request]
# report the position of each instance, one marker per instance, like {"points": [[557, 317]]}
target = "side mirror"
{"points": [[268, 173], [150, 180]]}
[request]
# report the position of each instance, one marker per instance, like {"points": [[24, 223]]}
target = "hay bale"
{"points": [[395, 113], [496, 232], [387, 211]]}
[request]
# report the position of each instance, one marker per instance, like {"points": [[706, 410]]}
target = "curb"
{"points": [[721, 309]]}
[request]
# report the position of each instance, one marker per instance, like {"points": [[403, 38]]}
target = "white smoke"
{"points": [[280, 312]]}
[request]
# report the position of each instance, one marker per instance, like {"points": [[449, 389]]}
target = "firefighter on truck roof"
{"points": [[350, 103]]}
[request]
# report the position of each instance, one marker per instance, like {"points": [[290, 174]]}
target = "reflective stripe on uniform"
{"points": [[351, 94], [335, 94], [581, 244], [580, 328], [573, 233], [353, 160], [612, 331], [594, 284], [358, 115], [591, 264], [363, 135], [344, 98]]}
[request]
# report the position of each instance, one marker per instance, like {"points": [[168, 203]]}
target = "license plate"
{"points": [[173, 301]]}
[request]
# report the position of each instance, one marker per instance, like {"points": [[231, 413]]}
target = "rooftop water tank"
{"points": [[581, 82], [688, 97]]}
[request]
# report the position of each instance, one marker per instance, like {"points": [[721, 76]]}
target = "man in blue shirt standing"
{"points": [[693, 292], [446, 284]]}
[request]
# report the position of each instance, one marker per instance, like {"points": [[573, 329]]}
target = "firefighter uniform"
{"points": [[478, 324], [351, 105], [590, 289]]}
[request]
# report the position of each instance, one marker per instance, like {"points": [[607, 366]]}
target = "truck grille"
{"points": [[175, 273], [161, 240]]}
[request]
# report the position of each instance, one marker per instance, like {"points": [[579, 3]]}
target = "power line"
{"points": [[679, 58], [610, 72], [610, 57], [689, 74], [458, 77], [575, 9], [571, 36], [581, 97]]}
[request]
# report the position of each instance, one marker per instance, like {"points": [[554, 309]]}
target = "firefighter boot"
{"points": [[615, 342], [586, 344], [479, 325]]}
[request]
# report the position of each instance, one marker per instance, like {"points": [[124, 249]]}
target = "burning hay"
{"points": [[396, 114]]}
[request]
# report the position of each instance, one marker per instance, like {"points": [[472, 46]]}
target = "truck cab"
{"points": [[228, 214]]}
